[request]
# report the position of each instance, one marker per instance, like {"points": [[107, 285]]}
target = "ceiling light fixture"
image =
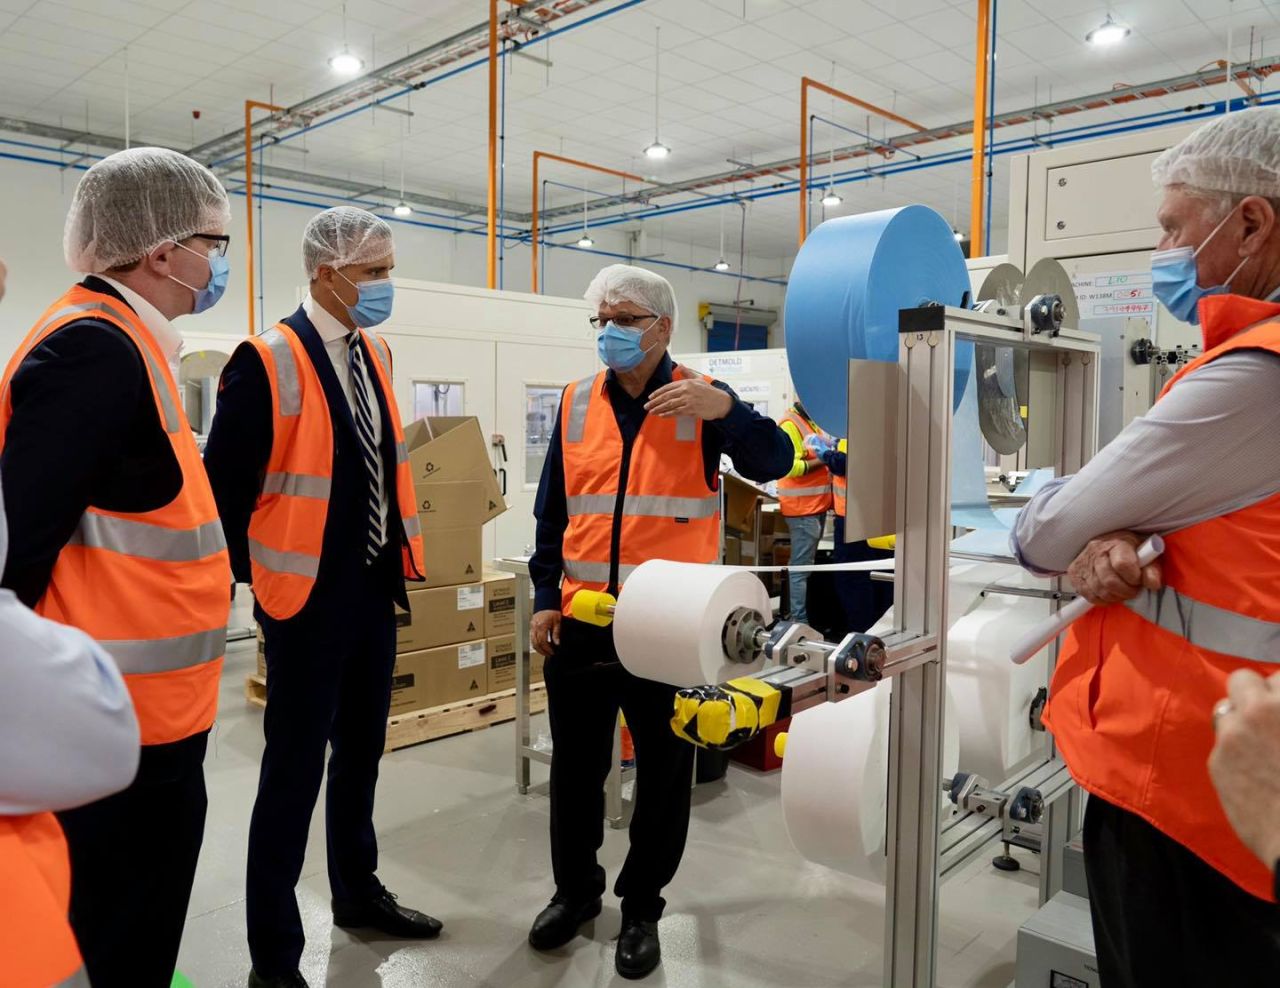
{"points": [[1109, 32], [722, 264], [832, 198], [402, 209], [585, 240], [958, 235], [345, 62], [657, 150]]}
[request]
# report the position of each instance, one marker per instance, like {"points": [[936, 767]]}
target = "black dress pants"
{"points": [[586, 686], [862, 599], [1162, 916], [133, 862], [328, 684]]}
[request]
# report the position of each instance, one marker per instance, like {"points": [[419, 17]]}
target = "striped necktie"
{"points": [[364, 412]]}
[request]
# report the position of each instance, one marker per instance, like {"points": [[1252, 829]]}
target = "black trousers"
{"points": [[328, 684], [862, 599], [133, 862], [586, 686], [1162, 916]]}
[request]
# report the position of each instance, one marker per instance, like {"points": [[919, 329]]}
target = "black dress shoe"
{"points": [[558, 923], [383, 913], [639, 951], [293, 980]]}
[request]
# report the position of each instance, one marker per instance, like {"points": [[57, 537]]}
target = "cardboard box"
{"points": [[451, 515], [435, 676], [536, 661], [502, 663], [441, 616], [499, 604], [451, 449], [732, 550], [741, 501]]}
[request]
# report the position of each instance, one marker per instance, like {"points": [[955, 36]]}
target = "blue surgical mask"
{"points": [[620, 348], [373, 304], [1175, 280], [219, 269]]}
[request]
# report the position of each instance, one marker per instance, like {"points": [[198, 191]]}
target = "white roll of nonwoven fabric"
{"points": [[670, 617]]}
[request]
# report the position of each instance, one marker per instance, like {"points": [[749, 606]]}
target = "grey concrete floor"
{"points": [[458, 841]]}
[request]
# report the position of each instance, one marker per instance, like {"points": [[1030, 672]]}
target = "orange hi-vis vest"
{"points": [[840, 490], [1133, 694], [154, 587], [628, 506], [286, 532], [37, 947], [810, 492]]}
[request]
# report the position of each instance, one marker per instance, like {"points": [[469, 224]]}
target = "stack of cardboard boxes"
{"points": [[457, 641]]}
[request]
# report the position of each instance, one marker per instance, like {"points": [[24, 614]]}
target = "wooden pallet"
{"points": [[418, 726]]}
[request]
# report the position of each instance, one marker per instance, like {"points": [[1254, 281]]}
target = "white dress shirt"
{"points": [[162, 330], [335, 336]]}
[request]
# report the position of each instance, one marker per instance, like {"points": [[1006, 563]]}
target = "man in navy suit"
{"points": [[305, 414]]}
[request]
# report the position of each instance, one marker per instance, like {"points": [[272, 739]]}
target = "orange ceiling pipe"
{"points": [[805, 85], [981, 94], [492, 240], [249, 106], [537, 157]]}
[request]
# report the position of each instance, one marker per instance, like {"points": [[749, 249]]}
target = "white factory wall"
{"points": [[34, 201]]}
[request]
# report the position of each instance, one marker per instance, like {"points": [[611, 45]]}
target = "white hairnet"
{"points": [[627, 283], [344, 235], [1235, 155], [133, 200]]}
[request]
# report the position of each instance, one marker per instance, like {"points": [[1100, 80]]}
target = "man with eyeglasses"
{"points": [[632, 473], [113, 530]]}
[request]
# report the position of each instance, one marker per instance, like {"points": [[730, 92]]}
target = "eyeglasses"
{"points": [[220, 241], [623, 321]]}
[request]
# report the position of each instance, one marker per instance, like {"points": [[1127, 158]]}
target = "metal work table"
{"points": [[518, 566]]}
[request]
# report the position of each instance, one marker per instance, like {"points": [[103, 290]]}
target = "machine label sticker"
{"points": [[470, 598], [715, 366], [471, 654], [1111, 294]]}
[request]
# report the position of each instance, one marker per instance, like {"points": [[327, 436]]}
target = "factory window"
{"points": [[435, 398], [540, 404]]}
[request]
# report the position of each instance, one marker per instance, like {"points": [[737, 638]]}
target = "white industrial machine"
{"points": [[709, 631]]}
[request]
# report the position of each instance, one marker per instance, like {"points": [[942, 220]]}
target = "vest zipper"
{"points": [[615, 538]]}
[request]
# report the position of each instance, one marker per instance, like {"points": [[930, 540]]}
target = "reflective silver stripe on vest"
{"points": [[167, 408], [279, 561], [147, 541], [644, 505], [412, 527], [287, 386], [577, 426], [577, 569], [802, 491], [402, 452], [1209, 627], [78, 980], [380, 348], [167, 654], [297, 485], [686, 429]]}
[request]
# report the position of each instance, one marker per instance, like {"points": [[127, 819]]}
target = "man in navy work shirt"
{"points": [[656, 432]]}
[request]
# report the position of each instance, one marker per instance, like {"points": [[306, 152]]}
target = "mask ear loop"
{"points": [[349, 282], [1214, 233]]}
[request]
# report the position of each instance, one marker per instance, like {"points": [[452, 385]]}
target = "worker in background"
{"points": [[113, 530], [1245, 763], [1177, 897], [307, 460], [804, 497], [862, 599], [68, 736], [632, 473]]}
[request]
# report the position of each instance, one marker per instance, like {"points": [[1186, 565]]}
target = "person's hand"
{"points": [[692, 396], [818, 444], [1107, 571], [1245, 762], [544, 632]]}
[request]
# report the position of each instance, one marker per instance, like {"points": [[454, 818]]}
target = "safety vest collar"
{"points": [[1224, 316]]}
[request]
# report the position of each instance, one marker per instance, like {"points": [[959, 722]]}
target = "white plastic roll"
{"points": [[670, 618], [835, 781]]}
